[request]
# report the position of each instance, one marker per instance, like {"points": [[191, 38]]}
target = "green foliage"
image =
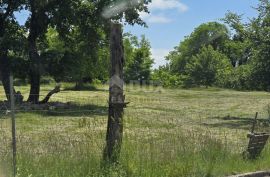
{"points": [[239, 78], [67, 40], [258, 32], [72, 61], [138, 59], [205, 67], [250, 46], [237, 51], [212, 33], [246, 47], [162, 76]]}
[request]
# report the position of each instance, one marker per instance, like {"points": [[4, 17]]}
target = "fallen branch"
{"points": [[47, 98]]}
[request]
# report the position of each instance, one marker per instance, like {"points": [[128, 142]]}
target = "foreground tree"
{"points": [[116, 97], [9, 30]]}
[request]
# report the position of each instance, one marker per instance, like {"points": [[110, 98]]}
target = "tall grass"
{"points": [[172, 133], [166, 155]]}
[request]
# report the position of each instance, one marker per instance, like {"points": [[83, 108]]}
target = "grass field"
{"points": [[167, 133]]}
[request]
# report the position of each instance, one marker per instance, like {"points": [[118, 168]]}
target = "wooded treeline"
{"points": [[67, 40], [228, 54]]}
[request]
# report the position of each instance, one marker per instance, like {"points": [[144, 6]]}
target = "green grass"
{"points": [[167, 132]]}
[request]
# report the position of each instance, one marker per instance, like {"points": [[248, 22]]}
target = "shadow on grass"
{"points": [[83, 88], [69, 110], [237, 123]]}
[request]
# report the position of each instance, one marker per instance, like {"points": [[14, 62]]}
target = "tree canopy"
{"points": [[67, 40]]}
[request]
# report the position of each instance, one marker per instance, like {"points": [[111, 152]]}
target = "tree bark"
{"points": [[116, 97], [34, 70], [4, 62], [5, 66], [5, 72]]}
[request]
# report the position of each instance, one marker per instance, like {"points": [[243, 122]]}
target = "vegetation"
{"points": [[196, 132], [77, 49], [138, 59], [245, 47], [206, 67], [55, 40], [169, 130]]}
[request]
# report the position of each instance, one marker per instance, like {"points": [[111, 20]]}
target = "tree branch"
{"points": [[47, 98]]}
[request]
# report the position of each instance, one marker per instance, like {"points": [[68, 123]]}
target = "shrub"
{"points": [[239, 78], [163, 77]]}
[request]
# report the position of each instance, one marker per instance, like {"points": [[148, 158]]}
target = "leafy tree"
{"points": [[43, 14], [238, 49], [212, 33], [74, 61], [253, 42], [206, 67], [258, 32], [139, 61], [63, 15]]}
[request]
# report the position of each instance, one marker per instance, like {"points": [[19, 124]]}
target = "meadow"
{"points": [[167, 133]]}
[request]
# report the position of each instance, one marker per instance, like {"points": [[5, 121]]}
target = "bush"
{"points": [[163, 77], [239, 78]]}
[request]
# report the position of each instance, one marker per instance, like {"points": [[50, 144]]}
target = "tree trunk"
{"points": [[5, 66], [5, 72], [34, 71], [79, 84], [4, 62], [116, 97]]}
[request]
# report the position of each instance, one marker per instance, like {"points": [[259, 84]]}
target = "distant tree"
{"points": [[251, 46], [139, 61], [212, 33], [238, 48], [238, 51], [259, 34], [205, 67]]}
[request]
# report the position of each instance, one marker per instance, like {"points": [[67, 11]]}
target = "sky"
{"points": [[170, 21]]}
